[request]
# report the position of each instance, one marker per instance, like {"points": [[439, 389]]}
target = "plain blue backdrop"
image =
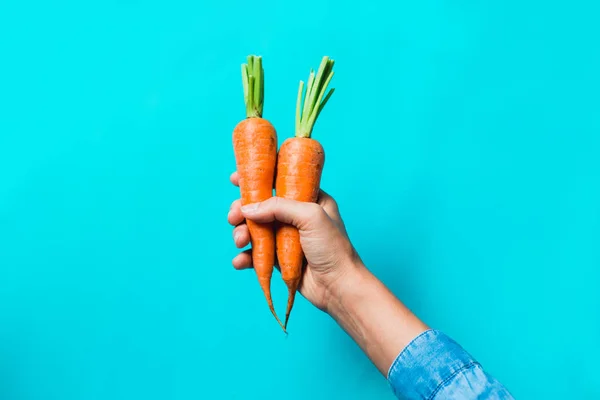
{"points": [[462, 145]]}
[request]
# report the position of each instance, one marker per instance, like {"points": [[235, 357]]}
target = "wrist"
{"points": [[377, 321], [351, 278]]}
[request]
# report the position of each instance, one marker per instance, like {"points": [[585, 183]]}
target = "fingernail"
{"points": [[249, 208], [236, 236]]}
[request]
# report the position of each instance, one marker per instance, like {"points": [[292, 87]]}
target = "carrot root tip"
{"points": [[277, 318], [292, 287]]}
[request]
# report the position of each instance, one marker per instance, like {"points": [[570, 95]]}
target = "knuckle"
{"points": [[333, 201], [275, 201], [328, 202], [272, 204], [315, 212], [333, 204]]}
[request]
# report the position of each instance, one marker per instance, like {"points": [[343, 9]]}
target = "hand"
{"points": [[323, 238], [336, 281]]}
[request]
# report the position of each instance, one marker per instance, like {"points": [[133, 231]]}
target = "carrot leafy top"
{"points": [[254, 87], [309, 107]]}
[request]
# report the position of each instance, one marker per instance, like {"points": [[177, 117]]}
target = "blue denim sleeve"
{"points": [[435, 367]]}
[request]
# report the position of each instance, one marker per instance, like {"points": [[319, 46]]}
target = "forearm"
{"points": [[424, 363], [377, 321]]}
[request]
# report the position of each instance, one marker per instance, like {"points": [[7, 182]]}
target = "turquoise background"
{"points": [[462, 145]]}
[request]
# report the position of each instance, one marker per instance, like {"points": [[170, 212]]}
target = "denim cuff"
{"points": [[426, 365]]}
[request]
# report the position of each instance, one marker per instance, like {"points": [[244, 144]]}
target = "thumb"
{"points": [[302, 215]]}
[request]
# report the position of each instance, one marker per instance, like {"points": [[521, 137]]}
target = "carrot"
{"points": [[299, 169], [255, 148]]}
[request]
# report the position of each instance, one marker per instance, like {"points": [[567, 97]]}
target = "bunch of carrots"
{"points": [[295, 172]]}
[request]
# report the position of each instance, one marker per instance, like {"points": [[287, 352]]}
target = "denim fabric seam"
{"points": [[397, 360], [448, 379]]}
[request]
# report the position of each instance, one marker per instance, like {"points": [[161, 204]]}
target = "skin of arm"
{"points": [[377, 321], [336, 281]]}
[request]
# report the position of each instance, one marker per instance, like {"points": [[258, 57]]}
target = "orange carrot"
{"points": [[255, 148], [299, 169]]}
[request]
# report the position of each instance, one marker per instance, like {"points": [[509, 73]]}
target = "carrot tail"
{"points": [[265, 285], [262, 238], [292, 288]]}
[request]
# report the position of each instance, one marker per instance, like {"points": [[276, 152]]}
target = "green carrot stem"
{"points": [[310, 106], [298, 106], [318, 84], [309, 88], [254, 87]]}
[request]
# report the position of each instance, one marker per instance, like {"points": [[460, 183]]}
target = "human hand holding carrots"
{"points": [[299, 165], [323, 237], [335, 280]]}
